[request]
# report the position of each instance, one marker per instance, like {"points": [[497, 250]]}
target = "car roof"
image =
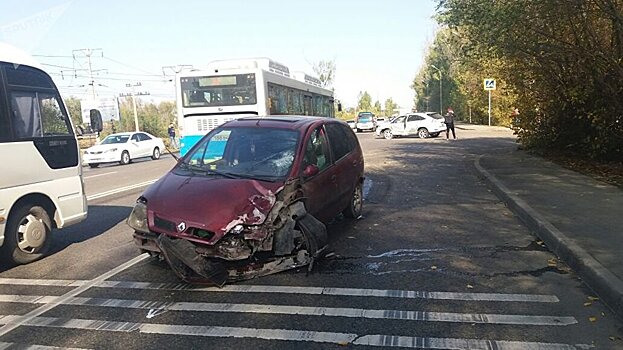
{"points": [[293, 122]]}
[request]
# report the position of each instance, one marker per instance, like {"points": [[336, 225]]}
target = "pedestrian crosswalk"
{"points": [[161, 316]]}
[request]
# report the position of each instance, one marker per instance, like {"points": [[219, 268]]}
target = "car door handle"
{"points": [[333, 178]]}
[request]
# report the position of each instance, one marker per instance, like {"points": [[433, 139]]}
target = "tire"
{"points": [[94, 165], [358, 130], [423, 133], [356, 203], [125, 158], [387, 134], [435, 134], [155, 154], [27, 235]]}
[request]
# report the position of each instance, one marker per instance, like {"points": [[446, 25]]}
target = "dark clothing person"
{"points": [[449, 120], [172, 137]]}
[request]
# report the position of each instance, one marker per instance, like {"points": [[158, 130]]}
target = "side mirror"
{"points": [[310, 170], [96, 120]]}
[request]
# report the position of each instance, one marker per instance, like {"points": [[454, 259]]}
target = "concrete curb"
{"points": [[603, 282]]}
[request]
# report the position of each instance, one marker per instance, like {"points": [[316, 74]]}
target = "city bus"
{"points": [[41, 187], [230, 89]]}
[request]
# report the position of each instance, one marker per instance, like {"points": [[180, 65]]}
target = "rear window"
{"points": [[435, 115]]}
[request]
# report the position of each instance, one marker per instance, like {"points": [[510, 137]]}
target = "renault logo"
{"points": [[181, 227]]}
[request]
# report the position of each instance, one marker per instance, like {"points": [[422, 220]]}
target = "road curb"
{"points": [[603, 282]]}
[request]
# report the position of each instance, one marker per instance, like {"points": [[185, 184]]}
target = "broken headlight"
{"points": [[138, 218]]}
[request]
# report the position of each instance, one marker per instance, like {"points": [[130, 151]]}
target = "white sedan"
{"points": [[122, 148]]}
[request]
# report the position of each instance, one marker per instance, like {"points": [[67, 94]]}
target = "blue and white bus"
{"points": [[231, 89]]}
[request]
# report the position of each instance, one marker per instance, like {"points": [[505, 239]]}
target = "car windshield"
{"points": [[111, 139], [364, 119], [258, 153]]}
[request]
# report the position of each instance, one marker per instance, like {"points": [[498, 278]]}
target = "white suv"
{"points": [[421, 124]]}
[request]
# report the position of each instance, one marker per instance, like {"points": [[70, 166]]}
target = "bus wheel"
{"points": [[125, 158], [94, 165], [27, 237]]}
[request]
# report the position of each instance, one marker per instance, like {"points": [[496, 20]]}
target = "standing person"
{"points": [[172, 137], [449, 120]]}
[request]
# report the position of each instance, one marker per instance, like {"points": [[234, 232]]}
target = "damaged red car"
{"points": [[252, 198]]}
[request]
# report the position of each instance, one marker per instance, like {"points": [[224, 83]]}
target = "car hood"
{"points": [[104, 148], [213, 203]]}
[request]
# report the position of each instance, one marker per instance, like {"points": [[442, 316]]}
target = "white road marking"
{"points": [[91, 176], [63, 298], [155, 308], [380, 293], [4, 345], [119, 190], [240, 288], [288, 335]]}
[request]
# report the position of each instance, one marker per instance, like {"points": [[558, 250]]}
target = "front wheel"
{"points": [[356, 203], [387, 134], [94, 165], [27, 237], [125, 158], [423, 133], [156, 154]]}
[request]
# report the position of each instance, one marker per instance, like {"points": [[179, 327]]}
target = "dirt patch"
{"points": [[609, 172]]}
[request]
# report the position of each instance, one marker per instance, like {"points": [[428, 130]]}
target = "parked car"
{"points": [[365, 122], [428, 124], [251, 198], [123, 148]]}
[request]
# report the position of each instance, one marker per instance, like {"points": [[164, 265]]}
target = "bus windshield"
{"points": [[222, 90]]}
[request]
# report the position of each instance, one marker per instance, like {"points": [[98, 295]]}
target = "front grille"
{"points": [[163, 224]]}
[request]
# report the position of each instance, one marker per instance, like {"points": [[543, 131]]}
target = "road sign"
{"points": [[489, 84]]}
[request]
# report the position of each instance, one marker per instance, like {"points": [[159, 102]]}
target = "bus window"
{"points": [[25, 115], [5, 128]]}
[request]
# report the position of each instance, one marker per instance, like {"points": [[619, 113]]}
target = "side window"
{"points": [[350, 137], [338, 140], [53, 121], [135, 138], [144, 137], [25, 114], [317, 150], [413, 118], [5, 128]]}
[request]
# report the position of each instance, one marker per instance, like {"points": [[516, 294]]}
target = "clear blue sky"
{"points": [[377, 45]]}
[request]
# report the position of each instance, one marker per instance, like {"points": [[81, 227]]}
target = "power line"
{"points": [[127, 65]]}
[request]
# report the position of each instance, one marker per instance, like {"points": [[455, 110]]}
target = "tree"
{"points": [[75, 111], [364, 103], [325, 71], [390, 106]]}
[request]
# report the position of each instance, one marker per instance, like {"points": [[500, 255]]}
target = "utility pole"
{"points": [[88, 53], [133, 94]]}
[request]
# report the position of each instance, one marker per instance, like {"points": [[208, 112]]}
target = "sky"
{"points": [[377, 46]]}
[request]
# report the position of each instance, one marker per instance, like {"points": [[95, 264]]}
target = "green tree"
{"points": [[390, 106], [364, 103], [73, 108]]}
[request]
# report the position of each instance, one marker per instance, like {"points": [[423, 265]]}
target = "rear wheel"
{"points": [[356, 203], [387, 134], [27, 237], [156, 154], [125, 158], [358, 130], [94, 165], [423, 133]]}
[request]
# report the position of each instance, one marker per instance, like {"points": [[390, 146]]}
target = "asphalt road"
{"points": [[436, 262]]}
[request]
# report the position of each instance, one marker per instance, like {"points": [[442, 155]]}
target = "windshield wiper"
{"points": [[207, 171]]}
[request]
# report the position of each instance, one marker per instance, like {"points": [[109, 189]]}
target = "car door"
{"points": [[147, 144], [134, 146], [414, 123], [398, 125], [319, 189], [347, 164]]}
